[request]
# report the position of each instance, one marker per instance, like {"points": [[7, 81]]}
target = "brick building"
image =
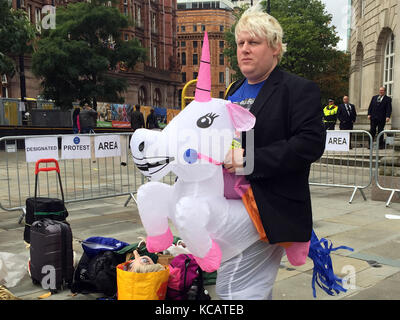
{"points": [[375, 47], [193, 18], [154, 82]]}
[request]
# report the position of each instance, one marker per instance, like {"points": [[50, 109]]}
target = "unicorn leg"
{"points": [[192, 218], [153, 203]]}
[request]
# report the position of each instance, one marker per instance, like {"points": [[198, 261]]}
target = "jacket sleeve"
{"points": [[389, 108], [306, 140], [370, 106]]}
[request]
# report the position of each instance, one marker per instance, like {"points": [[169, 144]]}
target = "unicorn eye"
{"points": [[207, 120]]}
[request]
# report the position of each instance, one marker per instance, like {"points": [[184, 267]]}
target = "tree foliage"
{"points": [[311, 42], [76, 60], [16, 35]]}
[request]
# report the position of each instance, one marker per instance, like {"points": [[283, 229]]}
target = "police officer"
{"points": [[330, 115]]}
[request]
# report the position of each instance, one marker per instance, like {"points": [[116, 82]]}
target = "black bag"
{"points": [[98, 274], [41, 207], [51, 254]]}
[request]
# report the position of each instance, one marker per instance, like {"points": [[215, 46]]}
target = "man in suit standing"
{"points": [[346, 114], [379, 112], [137, 119]]}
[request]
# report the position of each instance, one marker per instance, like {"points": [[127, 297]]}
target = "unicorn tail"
{"points": [[323, 274]]}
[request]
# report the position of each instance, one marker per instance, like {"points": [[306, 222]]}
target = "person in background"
{"points": [[76, 127], [288, 137], [137, 119], [88, 119], [346, 114], [379, 112], [151, 121], [330, 115]]}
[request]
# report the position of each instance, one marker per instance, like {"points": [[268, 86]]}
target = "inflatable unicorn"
{"points": [[193, 146]]}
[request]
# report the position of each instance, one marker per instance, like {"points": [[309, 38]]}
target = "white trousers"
{"points": [[251, 274]]}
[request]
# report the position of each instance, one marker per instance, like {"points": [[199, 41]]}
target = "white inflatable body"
{"points": [[193, 146]]}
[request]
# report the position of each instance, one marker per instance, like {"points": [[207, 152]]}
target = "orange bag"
{"points": [[141, 286]]}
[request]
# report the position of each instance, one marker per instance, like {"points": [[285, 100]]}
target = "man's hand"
{"points": [[234, 160], [369, 117], [387, 119]]}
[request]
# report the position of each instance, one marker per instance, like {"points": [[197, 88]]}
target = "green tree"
{"points": [[16, 35], [76, 60], [311, 42]]}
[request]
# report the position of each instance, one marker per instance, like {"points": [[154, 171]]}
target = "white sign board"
{"points": [[75, 147], [337, 141], [107, 146], [41, 148]]}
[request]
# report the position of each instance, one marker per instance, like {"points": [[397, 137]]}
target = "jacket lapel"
{"points": [[266, 91]]}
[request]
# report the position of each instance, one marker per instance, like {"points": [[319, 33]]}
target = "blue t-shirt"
{"points": [[246, 94]]}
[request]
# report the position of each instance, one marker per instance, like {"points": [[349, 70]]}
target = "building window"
{"points": [[195, 74], [183, 28], [184, 77], [221, 77], [221, 44], [153, 22], [221, 28], [194, 44], [203, 27], [362, 8], [142, 96], [388, 72], [194, 28], [183, 59], [38, 18], [138, 15], [183, 44], [221, 94], [157, 98], [195, 59], [221, 59], [155, 57], [29, 10]]}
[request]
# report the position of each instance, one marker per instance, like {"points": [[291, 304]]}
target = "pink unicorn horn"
{"points": [[203, 86]]}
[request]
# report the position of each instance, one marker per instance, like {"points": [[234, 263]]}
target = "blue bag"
{"points": [[95, 245]]}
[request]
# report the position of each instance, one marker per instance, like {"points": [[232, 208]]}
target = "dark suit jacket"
{"points": [[380, 111], [288, 136], [137, 120], [343, 116]]}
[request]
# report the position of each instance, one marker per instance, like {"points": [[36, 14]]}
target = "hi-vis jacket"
{"points": [[330, 113]]}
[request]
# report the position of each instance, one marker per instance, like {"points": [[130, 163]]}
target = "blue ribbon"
{"points": [[323, 274]]}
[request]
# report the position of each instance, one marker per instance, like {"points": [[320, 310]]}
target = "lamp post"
{"points": [[21, 69]]}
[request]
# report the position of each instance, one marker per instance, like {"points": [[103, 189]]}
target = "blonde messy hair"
{"points": [[261, 24]]}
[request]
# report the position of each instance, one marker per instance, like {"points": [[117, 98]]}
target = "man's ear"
{"points": [[242, 119]]}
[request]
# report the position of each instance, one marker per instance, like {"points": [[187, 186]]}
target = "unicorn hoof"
{"points": [[159, 243], [212, 260]]}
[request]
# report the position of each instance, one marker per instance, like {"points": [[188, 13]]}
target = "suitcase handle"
{"points": [[56, 168]]}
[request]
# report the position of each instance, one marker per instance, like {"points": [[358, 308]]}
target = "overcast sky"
{"points": [[339, 10]]}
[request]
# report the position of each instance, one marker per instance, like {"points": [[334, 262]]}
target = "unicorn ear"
{"points": [[242, 119]]}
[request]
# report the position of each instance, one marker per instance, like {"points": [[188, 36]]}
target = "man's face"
{"points": [[330, 103], [346, 100], [255, 58], [381, 91]]}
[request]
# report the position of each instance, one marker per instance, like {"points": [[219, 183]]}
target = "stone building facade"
{"points": [[194, 18], [375, 54], [153, 83]]}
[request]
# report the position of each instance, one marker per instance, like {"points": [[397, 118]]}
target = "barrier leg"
{"points": [[390, 198], [131, 196], [354, 193], [22, 216]]}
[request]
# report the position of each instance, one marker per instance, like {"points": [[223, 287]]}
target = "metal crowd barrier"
{"points": [[387, 163], [346, 169], [82, 179]]}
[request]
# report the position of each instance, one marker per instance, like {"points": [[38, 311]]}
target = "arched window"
{"points": [[388, 68], [142, 96], [157, 98]]}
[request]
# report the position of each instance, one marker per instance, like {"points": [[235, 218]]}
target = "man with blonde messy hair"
{"points": [[288, 136]]}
